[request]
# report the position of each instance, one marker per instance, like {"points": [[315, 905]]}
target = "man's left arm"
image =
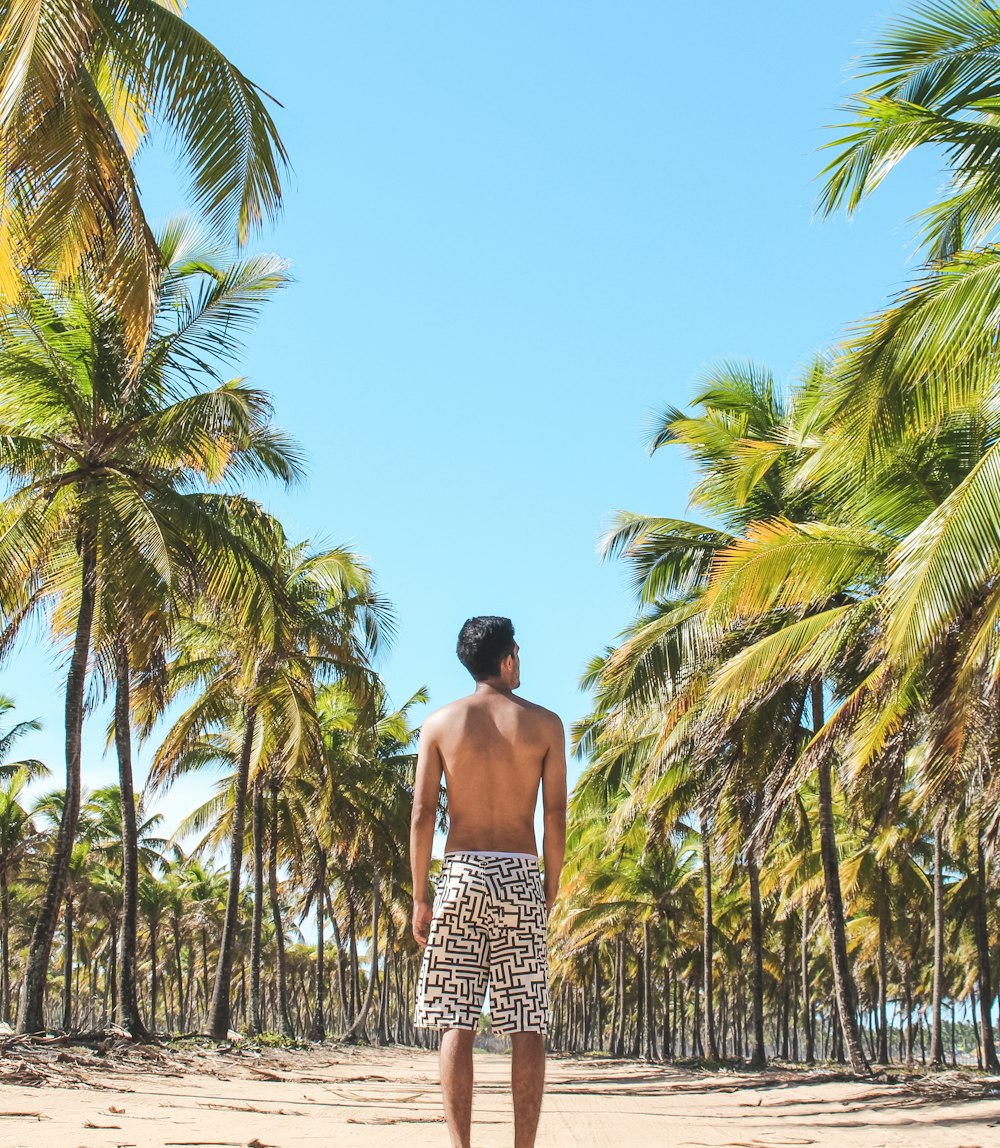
{"points": [[426, 790]]}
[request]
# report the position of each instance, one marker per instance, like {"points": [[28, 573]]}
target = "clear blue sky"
{"points": [[517, 228]]}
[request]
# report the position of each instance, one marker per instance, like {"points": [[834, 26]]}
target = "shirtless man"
{"points": [[490, 910]]}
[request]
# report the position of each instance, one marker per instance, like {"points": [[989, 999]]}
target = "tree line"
{"points": [[783, 843], [784, 840]]}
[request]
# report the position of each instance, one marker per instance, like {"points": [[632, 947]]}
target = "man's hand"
{"points": [[422, 912]]}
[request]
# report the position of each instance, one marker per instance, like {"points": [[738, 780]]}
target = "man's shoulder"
{"points": [[443, 714], [549, 717]]}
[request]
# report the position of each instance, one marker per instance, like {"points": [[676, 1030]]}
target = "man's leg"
{"points": [[456, 1083], [527, 1079]]}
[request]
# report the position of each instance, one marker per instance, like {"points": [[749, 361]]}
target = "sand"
{"points": [[337, 1096]]}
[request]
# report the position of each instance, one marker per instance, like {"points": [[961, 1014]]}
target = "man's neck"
{"points": [[493, 686]]}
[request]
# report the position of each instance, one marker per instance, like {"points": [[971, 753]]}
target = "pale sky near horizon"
{"points": [[516, 230]]}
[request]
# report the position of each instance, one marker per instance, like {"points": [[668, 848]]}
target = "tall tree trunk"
{"points": [[807, 1017], [843, 981], [67, 1001], [937, 1036], [598, 999], [707, 946], [127, 1004], [256, 1012], [154, 925], [615, 980], [31, 1016], [758, 1056], [341, 971], [4, 947], [219, 1012], [640, 1003], [279, 930], [176, 931], [882, 1055], [990, 1061], [622, 994], [319, 1025], [649, 1012], [352, 941], [358, 1025]]}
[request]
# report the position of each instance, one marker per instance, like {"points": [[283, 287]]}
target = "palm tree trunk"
{"points": [[352, 941], [807, 1018], [176, 930], [649, 1012], [640, 1002], [319, 1025], [359, 1022], [154, 925], [31, 1017], [256, 1014], [708, 1008], [127, 1005], [279, 932], [937, 1037], [4, 947], [341, 973], [598, 1000], [843, 981], [67, 1001], [758, 1056], [990, 1061], [613, 1018], [219, 1015], [882, 1055]]}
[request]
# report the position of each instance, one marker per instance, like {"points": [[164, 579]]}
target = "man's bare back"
{"points": [[493, 750]]}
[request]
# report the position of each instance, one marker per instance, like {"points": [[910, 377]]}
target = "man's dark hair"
{"points": [[483, 643]]}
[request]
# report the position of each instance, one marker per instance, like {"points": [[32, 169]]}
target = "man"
{"points": [[490, 910]]}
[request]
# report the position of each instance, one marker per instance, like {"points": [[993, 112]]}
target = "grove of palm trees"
{"points": [[784, 842]]}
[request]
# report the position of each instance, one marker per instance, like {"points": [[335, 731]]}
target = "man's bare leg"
{"points": [[527, 1080], [456, 1084]]}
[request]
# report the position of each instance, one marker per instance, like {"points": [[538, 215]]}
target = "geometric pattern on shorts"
{"points": [[488, 927]]}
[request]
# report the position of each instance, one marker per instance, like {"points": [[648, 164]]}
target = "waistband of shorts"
{"points": [[484, 856]]}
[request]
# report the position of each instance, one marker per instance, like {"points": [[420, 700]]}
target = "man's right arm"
{"points": [[554, 811], [426, 790]]}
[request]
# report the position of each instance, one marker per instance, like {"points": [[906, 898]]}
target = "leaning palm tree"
{"points": [[81, 81], [111, 475]]}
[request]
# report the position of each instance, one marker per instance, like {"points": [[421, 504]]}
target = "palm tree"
{"points": [[258, 683], [932, 77], [18, 839], [749, 449], [104, 468], [80, 83]]}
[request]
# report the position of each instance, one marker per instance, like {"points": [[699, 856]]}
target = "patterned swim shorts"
{"points": [[488, 926]]}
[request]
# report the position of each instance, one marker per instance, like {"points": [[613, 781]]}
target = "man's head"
{"points": [[487, 649]]}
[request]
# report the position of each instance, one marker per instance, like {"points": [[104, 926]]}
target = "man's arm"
{"points": [[426, 790], [554, 811]]}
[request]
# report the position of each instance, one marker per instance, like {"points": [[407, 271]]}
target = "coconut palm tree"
{"points": [[18, 839], [750, 450], [105, 467], [81, 81], [258, 682]]}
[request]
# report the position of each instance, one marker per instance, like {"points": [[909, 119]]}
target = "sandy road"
{"points": [[389, 1097]]}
